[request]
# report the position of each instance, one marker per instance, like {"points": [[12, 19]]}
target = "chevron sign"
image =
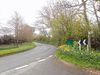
{"points": [[83, 42]]}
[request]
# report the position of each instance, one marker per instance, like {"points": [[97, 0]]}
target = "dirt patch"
{"points": [[93, 71]]}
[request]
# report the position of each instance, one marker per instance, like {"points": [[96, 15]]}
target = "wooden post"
{"points": [[87, 48], [79, 47], [89, 40]]}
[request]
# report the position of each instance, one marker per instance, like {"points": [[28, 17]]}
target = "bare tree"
{"points": [[62, 15], [96, 15], [85, 11], [15, 22], [5, 30]]}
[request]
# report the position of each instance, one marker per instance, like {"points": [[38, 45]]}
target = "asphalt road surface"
{"points": [[38, 61]]}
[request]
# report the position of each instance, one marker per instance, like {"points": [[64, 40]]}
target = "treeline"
{"points": [[7, 39], [16, 31], [74, 19]]}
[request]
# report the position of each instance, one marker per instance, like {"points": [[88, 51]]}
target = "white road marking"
{"points": [[41, 60], [21, 67], [24, 68], [37, 61], [50, 56], [45, 58]]}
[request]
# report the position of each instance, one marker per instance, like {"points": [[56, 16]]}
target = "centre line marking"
{"points": [[21, 67], [41, 60], [38, 58], [50, 56]]}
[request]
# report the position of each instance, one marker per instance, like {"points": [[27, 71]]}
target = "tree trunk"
{"points": [[85, 14], [97, 18]]}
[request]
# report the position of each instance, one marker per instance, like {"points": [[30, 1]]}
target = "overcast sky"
{"points": [[28, 9]]}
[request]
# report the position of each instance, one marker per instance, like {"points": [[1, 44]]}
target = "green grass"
{"points": [[83, 58], [11, 49]]}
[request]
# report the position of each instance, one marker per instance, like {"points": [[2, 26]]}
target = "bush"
{"points": [[95, 43]]}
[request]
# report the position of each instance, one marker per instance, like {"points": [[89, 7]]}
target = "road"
{"points": [[38, 61]]}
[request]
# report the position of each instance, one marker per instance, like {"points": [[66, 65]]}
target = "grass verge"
{"points": [[83, 58], [10, 49]]}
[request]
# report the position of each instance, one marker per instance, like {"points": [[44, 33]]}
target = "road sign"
{"points": [[69, 42], [83, 42]]}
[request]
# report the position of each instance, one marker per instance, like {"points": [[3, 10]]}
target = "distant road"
{"points": [[38, 61]]}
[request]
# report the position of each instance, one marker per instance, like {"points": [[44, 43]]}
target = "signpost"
{"points": [[86, 42]]}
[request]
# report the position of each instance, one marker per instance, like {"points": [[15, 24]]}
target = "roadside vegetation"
{"points": [[46, 40], [84, 58], [11, 49], [72, 20]]}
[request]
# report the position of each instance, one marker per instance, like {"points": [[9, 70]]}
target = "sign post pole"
{"points": [[87, 48], [80, 47], [89, 40], [79, 44]]}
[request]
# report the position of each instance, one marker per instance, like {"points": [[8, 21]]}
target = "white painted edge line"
{"points": [[21, 67]]}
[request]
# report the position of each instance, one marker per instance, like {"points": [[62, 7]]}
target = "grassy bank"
{"points": [[83, 58], [11, 49]]}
